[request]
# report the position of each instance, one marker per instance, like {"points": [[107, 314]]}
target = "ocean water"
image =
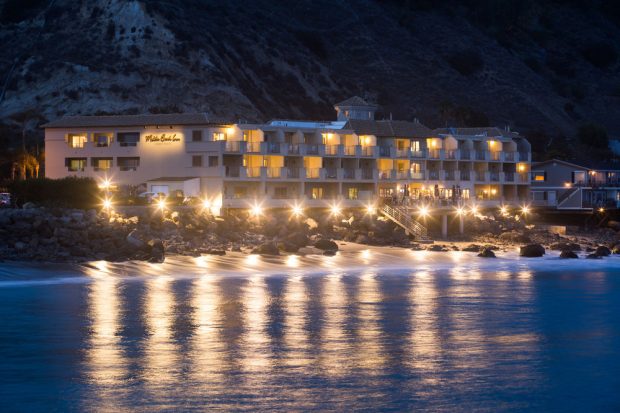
{"points": [[370, 330]]}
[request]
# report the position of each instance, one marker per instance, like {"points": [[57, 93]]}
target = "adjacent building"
{"points": [[351, 161], [565, 186]]}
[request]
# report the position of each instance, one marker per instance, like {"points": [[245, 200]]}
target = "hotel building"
{"points": [[351, 161]]}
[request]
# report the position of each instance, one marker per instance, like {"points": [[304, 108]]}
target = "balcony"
{"points": [[312, 149], [434, 154], [402, 174], [350, 150], [348, 173], [252, 147], [253, 172], [450, 155], [234, 146], [274, 172], [495, 156], [465, 154], [331, 150], [368, 151], [385, 174], [293, 173], [450, 175], [331, 173], [402, 153], [524, 157], [509, 176], [416, 175], [293, 149], [480, 155], [494, 176], [273, 147], [385, 151], [368, 174], [509, 156], [464, 175], [433, 175], [417, 154], [313, 173], [480, 176]]}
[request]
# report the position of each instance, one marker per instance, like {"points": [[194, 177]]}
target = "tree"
{"points": [[25, 165], [593, 135]]}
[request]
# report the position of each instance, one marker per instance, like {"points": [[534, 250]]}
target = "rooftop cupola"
{"points": [[355, 108]]}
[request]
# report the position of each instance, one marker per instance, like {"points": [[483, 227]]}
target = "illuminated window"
{"points": [[539, 176], [77, 141], [102, 140], [353, 193], [219, 136], [101, 164], [240, 192], [416, 167], [75, 164], [415, 146], [317, 193]]}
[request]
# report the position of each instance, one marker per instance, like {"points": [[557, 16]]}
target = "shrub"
{"points": [[466, 62], [600, 54], [72, 192], [593, 135]]}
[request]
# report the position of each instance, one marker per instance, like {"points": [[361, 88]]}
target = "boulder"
{"points": [[473, 248], [297, 239], [565, 246], [566, 254], [268, 248], [593, 257], [602, 251], [157, 251], [437, 248], [329, 253], [134, 240], [29, 205], [326, 245], [616, 249], [213, 251], [487, 253], [532, 250]]}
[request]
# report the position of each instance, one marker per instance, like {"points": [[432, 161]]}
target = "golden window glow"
{"points": [[77, 141], [219, 136]]}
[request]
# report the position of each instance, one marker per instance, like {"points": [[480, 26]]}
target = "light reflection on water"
{"points": [[461, 338]]}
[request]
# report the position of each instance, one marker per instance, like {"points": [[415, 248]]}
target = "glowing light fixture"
{"points": [[297, 210], [107, 204], [601, 210], [371, 210], [105, 184], [206, 203], [161, 204], [474, 210], [335, 210], [423, 211], [460, 211], [256, 210], [503, 210], [525, 209]]}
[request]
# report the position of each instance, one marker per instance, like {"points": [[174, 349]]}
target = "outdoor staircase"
{"points": [[401, 217]]}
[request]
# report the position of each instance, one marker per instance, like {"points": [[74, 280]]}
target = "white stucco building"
{"points": [[351, 161]]}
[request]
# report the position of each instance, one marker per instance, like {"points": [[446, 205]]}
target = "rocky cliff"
{"points": [[540, 68]]}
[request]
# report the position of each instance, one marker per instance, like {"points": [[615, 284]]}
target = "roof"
{"points": [[133, 120], [173, 179], [389, 128], [355, 101], [487, 131], [537, 164]]}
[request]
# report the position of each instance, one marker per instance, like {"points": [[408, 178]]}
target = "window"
{"points": [[415, 146], [196, 136], [219, 136], [102, 140], [416, 167], [280, 192], [539, 195], [353, 193], [128, 164], [317, 193], [128, 138], [75, 164], [400, 144], [77, 140], [539, 176], [101, 164], [214, 161], [197, 161]]}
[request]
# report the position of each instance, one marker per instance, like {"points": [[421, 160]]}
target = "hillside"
{"points": [[543, 69]]}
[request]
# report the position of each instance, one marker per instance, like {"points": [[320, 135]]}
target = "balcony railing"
{"points": [[312, 149], [450, 155], [495, 155], [450, 175], [416, 175], [480, 155], [465, 154], [402, 174], [524, 156], [417, 154], [368, 151], [464, 175], [385, 151], [331, 173], [313, 173], [274, 172], [348, 173], [293, 173], [350, 150], [480, 176], [233, 146], [402, 153], [367, 174], [273, 147], [433, 174], [434, 153], [509, 176], [252, 172], [509, 156], [494, 176], [385, 174], [331, 150], [293, 149], [253, 147]]}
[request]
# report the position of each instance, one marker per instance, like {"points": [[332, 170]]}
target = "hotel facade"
{"points": [[352, 161]]}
